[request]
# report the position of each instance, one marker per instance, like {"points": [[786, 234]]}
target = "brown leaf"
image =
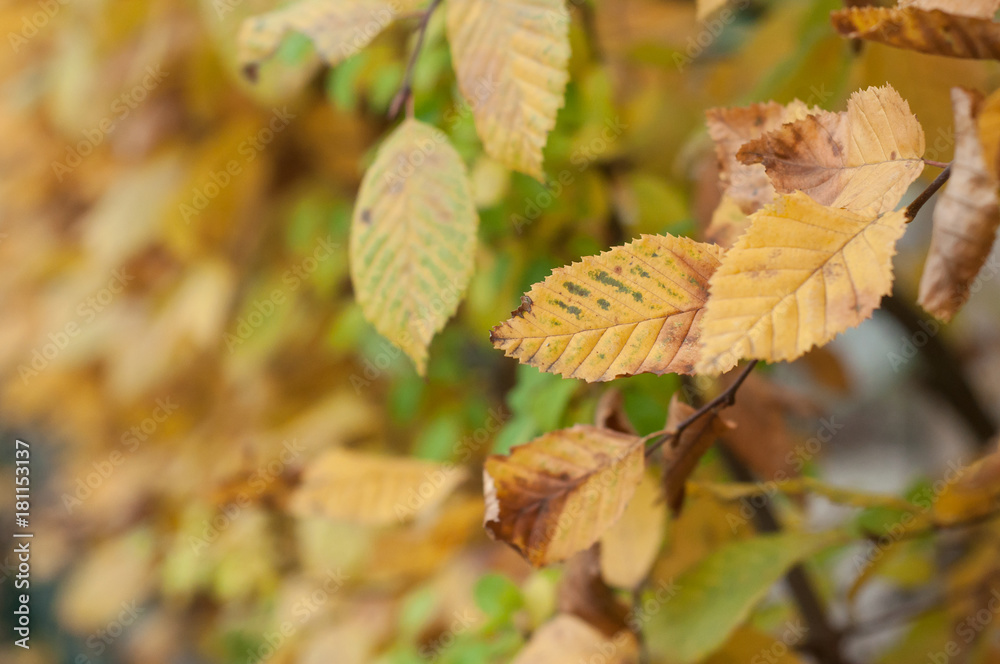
{"points": [[583, 593], [965, 218], [681, 458], [933, 31], [861, 160], [730, 128], [567, 638], [610, 413], [557, 494], [979, 8]]}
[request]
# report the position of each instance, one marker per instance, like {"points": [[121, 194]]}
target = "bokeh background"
{"points": [[172, 403]]}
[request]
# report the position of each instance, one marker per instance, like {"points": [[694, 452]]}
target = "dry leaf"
{"points": [[729, 222], [583, 593], [413, 238], [800, 275], [680, 460], [371, 489], [629, 548], [926, 31], [973, 493], [511, 58], [610, 413], [965, 218], [567, 638], [338, 29], [731, 128], [979, 8], [633, 309], [557, 494], [862, 160]]}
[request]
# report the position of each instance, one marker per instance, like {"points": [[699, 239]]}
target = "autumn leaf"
{"points": [[557, 494], [413, 238], [716, 595], [567, 638], [371, 489], [629, 548], [973, 493], [583, 593], [966, 217], [927, 31], [979, 8], [862, 160], [800, 275], [511, 59], [747, 185], [728, 223], [633, 309], [337, 29], [989, 133]]}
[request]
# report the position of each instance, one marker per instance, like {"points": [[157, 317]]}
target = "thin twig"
{"points": [[925, 195], [936, 164], [406, 87], [724, 400]]}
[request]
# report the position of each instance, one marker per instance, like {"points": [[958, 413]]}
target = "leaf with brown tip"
{"points": [[965, 218], [633, 309], [510, 58], [799, 276], [731, 128], [862, 159], [556, 495], [927, 31]]}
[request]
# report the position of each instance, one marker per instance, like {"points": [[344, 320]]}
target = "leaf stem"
{"points": [[925, 195], [406, 87], [936, 164], [724, 400]]}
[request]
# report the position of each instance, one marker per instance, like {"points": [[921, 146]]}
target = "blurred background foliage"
{"points": [[118, 117]]}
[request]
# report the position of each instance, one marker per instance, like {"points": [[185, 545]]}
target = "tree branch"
{"points": [[925, 195], [406, 87], [724, 400]]}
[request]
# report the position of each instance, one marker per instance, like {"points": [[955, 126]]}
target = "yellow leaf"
{"points": [[989, 133], [927, 31], [800, 275], [557, 494], [728, 223], [862, 160], [373, 490], [337, 29], [511, 58], [973, 493], [966, 217], [730, 128], [413, 238], [633, 309], [567, 638], [629, 548]]}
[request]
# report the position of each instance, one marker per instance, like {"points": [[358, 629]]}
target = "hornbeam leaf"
{"points": [[799, 276], [634, 309], [927, 31], [338, 29], [413, 238], [511, 59], [556, 495], [965, 218], [371, 489], [862, 160]]}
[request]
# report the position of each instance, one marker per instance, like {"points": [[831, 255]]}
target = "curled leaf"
{"points": [[927, 31], [557, 494], [862, 160], [966, 217], [633, 309]]}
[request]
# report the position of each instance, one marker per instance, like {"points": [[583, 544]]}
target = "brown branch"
{"points": [[914, 207], [406, 87], [936, 164], [724, 400]]}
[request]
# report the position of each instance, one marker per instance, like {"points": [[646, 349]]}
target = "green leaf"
{"points": [[413, 238], [716, 595]]}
